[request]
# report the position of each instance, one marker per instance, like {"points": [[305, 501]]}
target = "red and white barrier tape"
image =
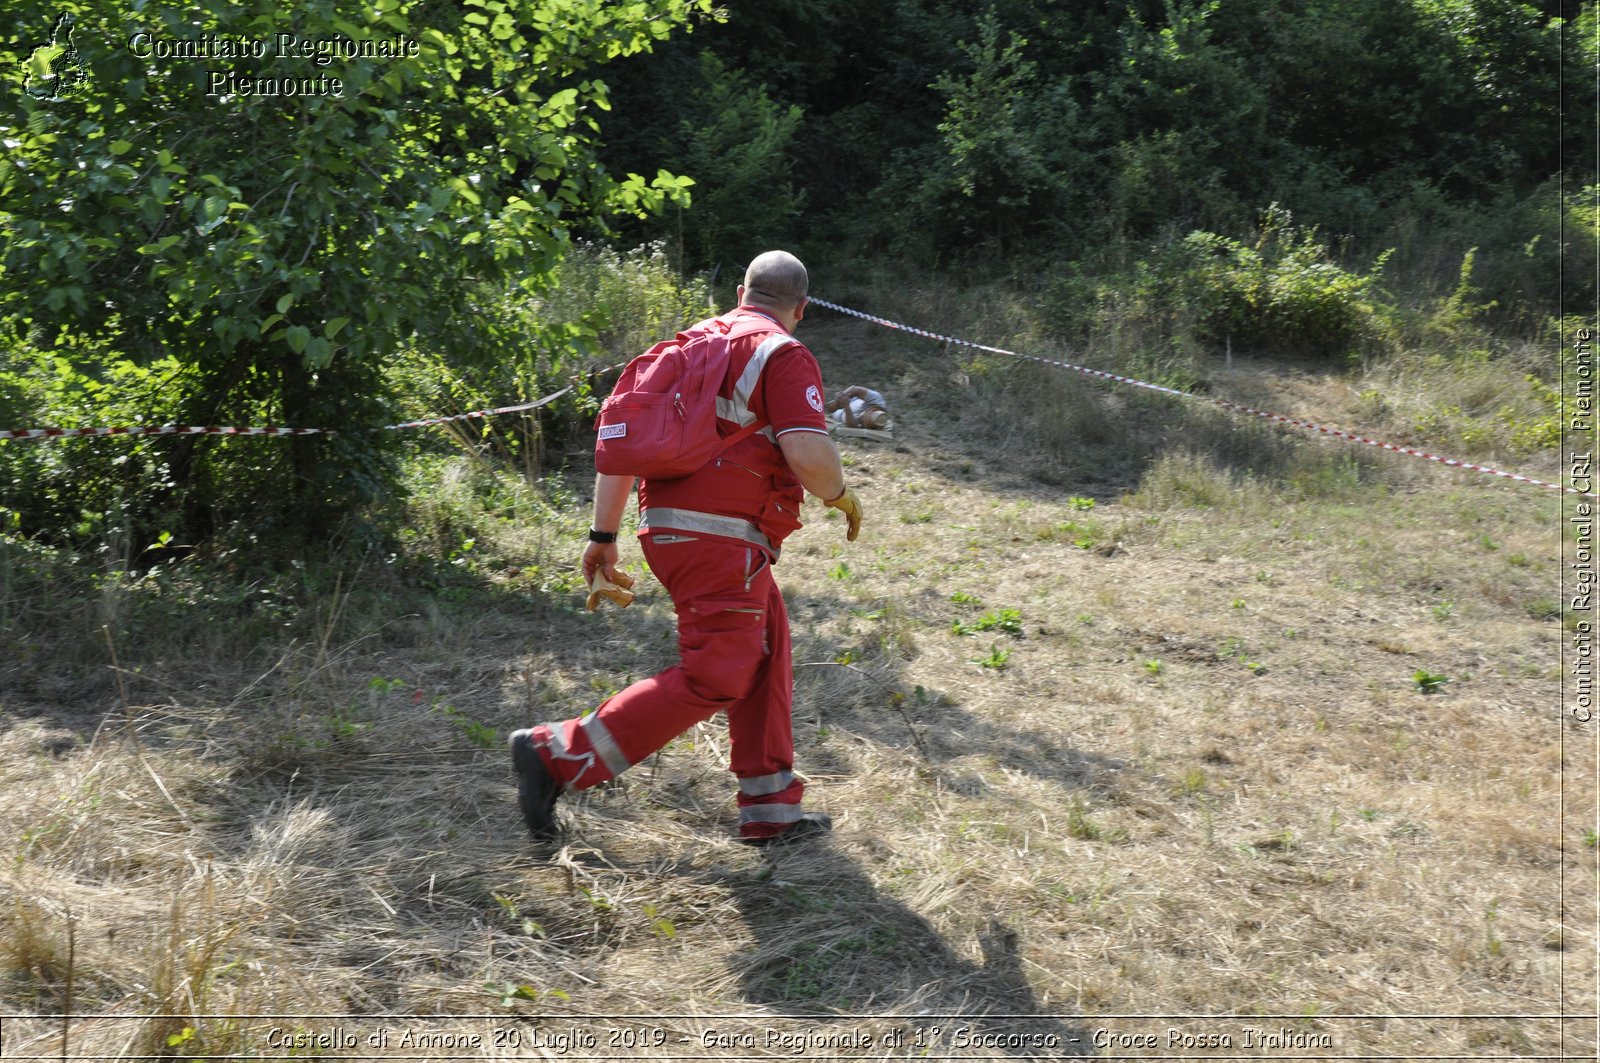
{"points": [[154, 430], [269, 430], [482, 413], [1224, 403]]}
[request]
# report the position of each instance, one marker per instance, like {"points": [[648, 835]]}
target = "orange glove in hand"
{"points": [[617, 593], [848, 504]]}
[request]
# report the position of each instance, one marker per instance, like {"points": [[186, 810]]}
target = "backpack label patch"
{"points": [[614, 431]]}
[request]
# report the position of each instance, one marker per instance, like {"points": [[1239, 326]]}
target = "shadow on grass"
{"points": [[833, 949], [881, 702]]}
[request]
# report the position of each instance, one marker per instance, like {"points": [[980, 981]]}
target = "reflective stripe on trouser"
{"points": [[769, 803], [734, 657], [666, 518], [572, 751]]}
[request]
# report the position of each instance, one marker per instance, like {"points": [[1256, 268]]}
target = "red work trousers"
{"points": [[734, 657]]}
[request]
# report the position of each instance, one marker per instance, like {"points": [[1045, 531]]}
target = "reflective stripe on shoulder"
{"points": [[659, 518], [737, 409]]}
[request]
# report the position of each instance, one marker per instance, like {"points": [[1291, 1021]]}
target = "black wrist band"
{"points": [[602, 537]]}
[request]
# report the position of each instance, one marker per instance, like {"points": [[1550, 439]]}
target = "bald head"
{"points": [[776, 279]]}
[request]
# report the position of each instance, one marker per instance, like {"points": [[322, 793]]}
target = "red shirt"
{"points": [[750, 481]]}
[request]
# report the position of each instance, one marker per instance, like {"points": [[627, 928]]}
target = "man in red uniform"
{"points": [[711, 538]]}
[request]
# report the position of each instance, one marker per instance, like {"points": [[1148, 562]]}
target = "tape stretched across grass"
{"points": [[1232, 407], [268, 430]]}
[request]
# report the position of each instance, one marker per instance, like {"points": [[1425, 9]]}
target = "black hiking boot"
{"points": [[537, 789], [809, 825]]}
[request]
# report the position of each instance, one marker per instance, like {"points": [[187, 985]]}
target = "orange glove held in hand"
{"points": [[850, 506], [617, 593]]}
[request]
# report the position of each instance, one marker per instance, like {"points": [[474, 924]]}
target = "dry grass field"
{"points": [[1141, 741]]}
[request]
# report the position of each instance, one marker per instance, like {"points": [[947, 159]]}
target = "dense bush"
{"points": [[1282, 292], [283, 249], [602, 307], [731, 128]]}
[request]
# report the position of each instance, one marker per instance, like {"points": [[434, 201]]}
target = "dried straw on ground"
{"points": [[1188, 790]]}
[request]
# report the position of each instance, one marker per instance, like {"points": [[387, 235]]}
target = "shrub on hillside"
{"points": [[1282, 293], [604, 307], [86, 489], [119, 493]]}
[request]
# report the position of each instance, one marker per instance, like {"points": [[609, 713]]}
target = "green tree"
{"points": [[739, 139], [280, 244], [929, 126], [993, 155]]}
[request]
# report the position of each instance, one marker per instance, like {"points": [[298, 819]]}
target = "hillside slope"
{"points": [[1142, 766]]}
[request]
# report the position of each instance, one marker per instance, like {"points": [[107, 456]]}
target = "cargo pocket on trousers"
{"points": [[730, 622], [723, 642], [725, 615]]}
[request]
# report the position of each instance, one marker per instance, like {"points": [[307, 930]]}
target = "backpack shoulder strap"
{"points": [[744, 433]]}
